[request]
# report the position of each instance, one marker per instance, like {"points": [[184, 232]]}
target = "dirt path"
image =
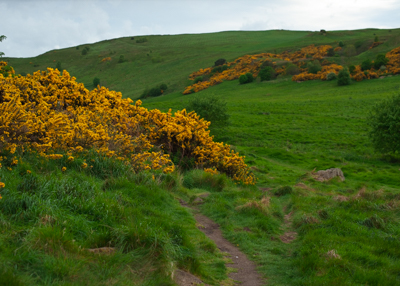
{"points": [[246, 274], [289, 234]]}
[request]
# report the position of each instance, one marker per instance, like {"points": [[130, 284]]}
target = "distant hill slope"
{"points": [[171, 58]]}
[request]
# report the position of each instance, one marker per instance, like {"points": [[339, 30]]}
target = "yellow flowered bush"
{"points": [[49, 111], [252, 64]]}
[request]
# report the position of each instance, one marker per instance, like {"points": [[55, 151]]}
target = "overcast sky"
{"points": [[33, 27]]}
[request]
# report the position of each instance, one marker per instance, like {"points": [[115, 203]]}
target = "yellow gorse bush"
{"points": [[252, 64], [49, 111]]}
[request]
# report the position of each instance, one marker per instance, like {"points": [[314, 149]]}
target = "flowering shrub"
{"points": [[49, 111], [375, 44]]}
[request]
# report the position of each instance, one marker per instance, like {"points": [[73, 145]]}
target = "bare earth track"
{"points": [[246, 274]]}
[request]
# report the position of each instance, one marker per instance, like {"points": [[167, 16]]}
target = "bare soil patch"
{"points": [[289, 235], [246, 274]]}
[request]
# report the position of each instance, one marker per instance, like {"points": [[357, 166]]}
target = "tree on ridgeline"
{"points": [[2, 37]]}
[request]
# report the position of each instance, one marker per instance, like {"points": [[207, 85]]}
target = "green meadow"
{"points": [[347, 232]]}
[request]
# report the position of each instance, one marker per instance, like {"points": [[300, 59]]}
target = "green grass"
{"points": [[49, 219], [285, 129], [171, 58]]}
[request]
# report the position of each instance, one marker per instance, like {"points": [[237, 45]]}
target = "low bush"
{"points": [[292, 69], [220, 62], [384, 123], [267, 73], [246, 78], [121, 59], [96, 82], [343, 77], [219, 69], [381, 60], [366, 65], [314, 67], [331, 76], [85, 50], [198, 79], [210, 108], [352, 69], [155, 91], [58, 66], [330, 52]]}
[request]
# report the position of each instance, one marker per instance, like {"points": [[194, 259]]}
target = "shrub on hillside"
{"points": [[210, 108], [341, 44], [384, 122], [246, 78], [267, 73], [331, 76], [220, 62], [352, 69], [72, 119], [121, 59], [58, 66], [366, 65], [85, 50], [381, 60], [314, 67], [155, 91], [330, 52], [343, 77], [96, 82], [198, 79], [219, 69], [292, 69]]}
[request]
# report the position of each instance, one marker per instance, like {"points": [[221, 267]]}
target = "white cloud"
{"points": [[34, 27]]}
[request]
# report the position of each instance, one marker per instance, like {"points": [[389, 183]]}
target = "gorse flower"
{"points": [[49, 111], [253, 63]]}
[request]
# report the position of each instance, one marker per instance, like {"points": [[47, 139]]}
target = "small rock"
{"points": [[326, 175], [198, 201]]}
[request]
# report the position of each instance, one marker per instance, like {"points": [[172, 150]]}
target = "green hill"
{"points": [[171, 58], [348, 232]]}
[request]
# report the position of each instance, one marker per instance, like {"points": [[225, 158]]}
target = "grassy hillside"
{"points": [[171, 58], [348, 233]]}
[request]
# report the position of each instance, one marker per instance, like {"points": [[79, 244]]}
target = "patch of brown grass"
{"points": [[262, 205]]}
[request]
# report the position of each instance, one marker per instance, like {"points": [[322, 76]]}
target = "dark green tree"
{"points": [[343, 77], [314, 67], [267, 73], [384, 123], [96, 81], [58, 66], [366, 65], [381, 60]]}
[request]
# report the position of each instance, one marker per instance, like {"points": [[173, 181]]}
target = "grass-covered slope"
{"points": [[97, 226], [348, 232], [171, 58]]}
